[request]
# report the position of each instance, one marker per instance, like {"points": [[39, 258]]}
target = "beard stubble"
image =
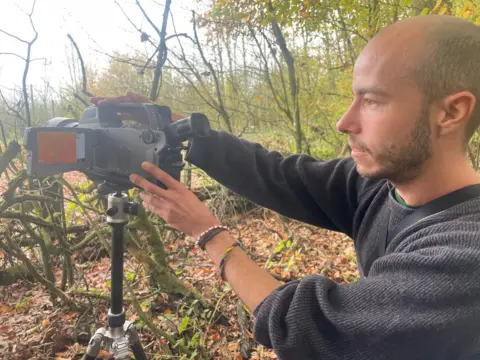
{"points": [[403, 162]]}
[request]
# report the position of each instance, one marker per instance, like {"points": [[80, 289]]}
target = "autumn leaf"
{"points": [[5, 309], [216, 336], [233, 346], [443, 10], [467, 10], [437, 6]]}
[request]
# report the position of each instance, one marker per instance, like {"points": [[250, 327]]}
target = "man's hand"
{"points": [[177, 205], [181, 209], [129, 97], [132, 114]]}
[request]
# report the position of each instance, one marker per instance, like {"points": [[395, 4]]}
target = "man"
{"points": [[415, 87]]}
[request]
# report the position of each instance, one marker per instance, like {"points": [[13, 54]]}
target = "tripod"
{"points": [[121, 335]]}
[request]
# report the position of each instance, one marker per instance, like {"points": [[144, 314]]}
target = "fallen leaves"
{"points": [[288, 250]]}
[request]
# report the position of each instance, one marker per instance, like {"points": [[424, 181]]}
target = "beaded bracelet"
{"points": [[209, 234], [222, 262]]}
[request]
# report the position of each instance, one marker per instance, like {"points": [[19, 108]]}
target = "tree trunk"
{"points": [[287, 56]]}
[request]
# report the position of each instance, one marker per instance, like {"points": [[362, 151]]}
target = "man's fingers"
{"points": [[161, 175], [128, 97], [146, 185], [115, 100], [138, 98], [152, 201], [177, 116], [96, 99]]}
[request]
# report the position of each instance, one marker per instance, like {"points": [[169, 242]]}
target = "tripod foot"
{"points": [[95, 344], [135, 343]]}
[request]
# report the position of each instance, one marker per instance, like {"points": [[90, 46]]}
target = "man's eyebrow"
{"points": [[371, 90]]}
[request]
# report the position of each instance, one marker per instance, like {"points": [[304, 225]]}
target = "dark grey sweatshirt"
{"points": [[420, 300]]}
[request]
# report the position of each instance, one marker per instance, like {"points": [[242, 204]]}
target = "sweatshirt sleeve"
{"points": [[417, 304], [321, 193]]}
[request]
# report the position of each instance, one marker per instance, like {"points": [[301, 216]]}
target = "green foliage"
{"points": [[22, 304]]}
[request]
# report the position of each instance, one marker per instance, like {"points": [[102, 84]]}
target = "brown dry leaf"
{"points": [[216, 337], [5, 309], [233, 346], [4, 329]]}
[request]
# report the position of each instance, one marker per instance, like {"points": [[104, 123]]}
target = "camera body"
{"points": [[108, 149]]}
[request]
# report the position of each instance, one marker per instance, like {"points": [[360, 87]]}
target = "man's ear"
{"points": [[456, 110]]}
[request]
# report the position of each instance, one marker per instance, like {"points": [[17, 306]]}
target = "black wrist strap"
{"points": [[207, 236]]}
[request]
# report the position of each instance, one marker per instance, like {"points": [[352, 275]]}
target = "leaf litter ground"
{"points": [[31, 328]]}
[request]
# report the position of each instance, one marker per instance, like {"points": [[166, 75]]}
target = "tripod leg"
{"points": [[95, 344], [135, 343]]}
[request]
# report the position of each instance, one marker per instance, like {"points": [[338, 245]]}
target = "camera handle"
{"points": [[121, 335]]}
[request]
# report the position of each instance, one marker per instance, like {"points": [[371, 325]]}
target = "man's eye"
{"points": [[369, 102]]}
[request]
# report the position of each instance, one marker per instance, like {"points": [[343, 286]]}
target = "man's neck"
{"points": [[437, 180]]}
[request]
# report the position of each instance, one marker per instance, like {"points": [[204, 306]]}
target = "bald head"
{"points": [[440, 53]]}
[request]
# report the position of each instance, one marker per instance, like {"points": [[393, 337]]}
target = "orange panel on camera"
{"points": [[57, 147]]}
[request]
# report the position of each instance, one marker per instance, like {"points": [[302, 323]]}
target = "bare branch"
{"points": [[82, 64], [167, 6], [147, 38], [269, 80], [179, 35], [135, 26], [14, 36], [80, 99], [11, 109], [142, 71], [162, 50], [21, 57], [77, 107], [27, 64], [210, 103], [13, 54], [282, 78], [223, 112]]}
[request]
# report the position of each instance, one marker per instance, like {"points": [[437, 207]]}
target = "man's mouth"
{"points": [[357, 153], [358, 150]]}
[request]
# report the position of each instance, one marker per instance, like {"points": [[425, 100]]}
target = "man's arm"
{"points": [[322, 193], [249, 281], [420, 304]]}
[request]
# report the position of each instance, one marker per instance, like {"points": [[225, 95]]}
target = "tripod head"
{"points": [[119, 208]]}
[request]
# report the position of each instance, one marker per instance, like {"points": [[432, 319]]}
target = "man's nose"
{"points": [[349, 122]]}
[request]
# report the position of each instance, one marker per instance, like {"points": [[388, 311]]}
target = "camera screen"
{"points": [[60, 147]]}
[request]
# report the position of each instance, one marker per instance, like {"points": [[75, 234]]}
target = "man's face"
{"points": [[387, 124]]}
